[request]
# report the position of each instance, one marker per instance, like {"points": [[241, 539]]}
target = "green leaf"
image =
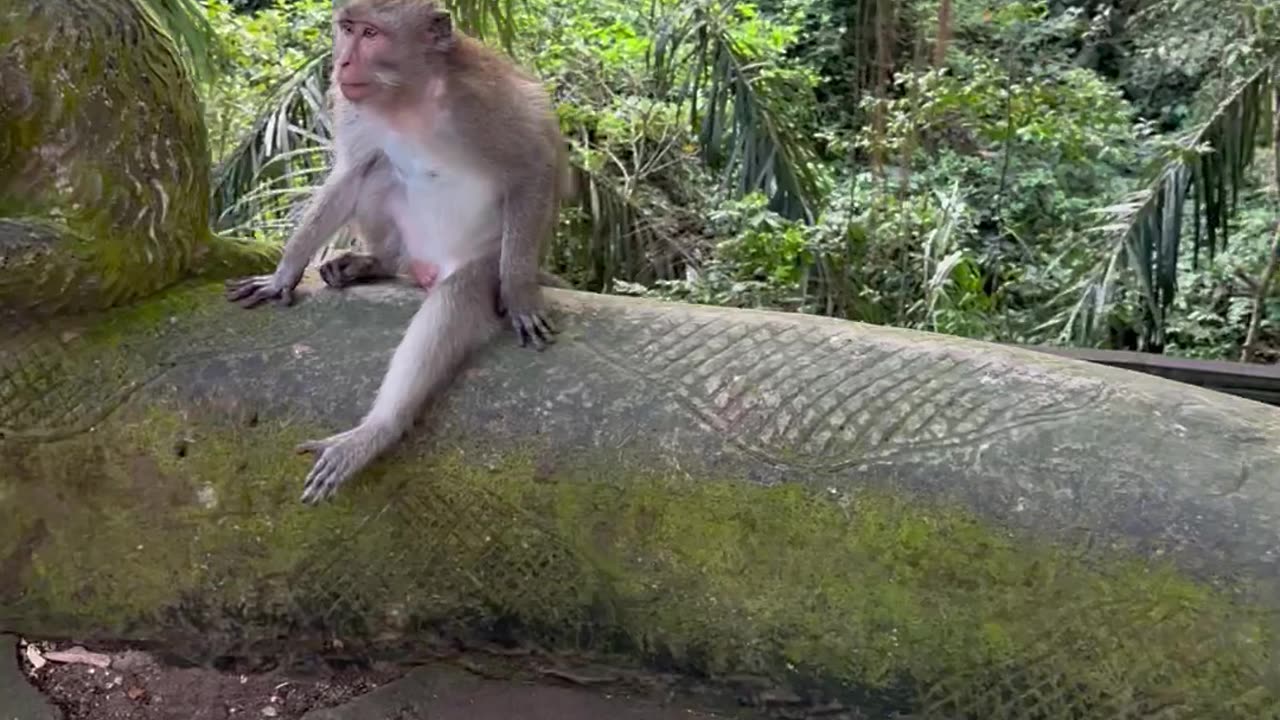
{"points": [[1147, 230], [184, 21]]}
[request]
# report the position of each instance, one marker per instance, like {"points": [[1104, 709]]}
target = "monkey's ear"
{"points": [[440, 30]]}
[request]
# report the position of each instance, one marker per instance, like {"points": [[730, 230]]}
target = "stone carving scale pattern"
{"points": [[822, 399], [54, 383], [483, 555]]}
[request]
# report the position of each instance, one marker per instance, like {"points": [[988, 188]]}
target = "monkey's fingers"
{"points": [[534, 329], [332, 273], [311, 446], [322, 481], [251, 291], [238, 288], [526, 333], [332, 468], [256, 298], [267, 292], [545, 326]]}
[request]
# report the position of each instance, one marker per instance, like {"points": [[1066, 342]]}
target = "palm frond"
{"points": [[486, 19], [623, 235], [766, 148], [1207, 173], [743, 128], [185, 22], [274, 166]]}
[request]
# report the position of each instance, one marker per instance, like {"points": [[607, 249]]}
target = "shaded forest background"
{"points": [[1088, 172]]}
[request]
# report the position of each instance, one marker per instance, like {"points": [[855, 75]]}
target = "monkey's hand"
{"points": [[249, 291], [523, 304], [339, 458]]}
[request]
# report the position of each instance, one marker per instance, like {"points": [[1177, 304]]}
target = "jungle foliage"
{"points": [[1094, 172]]}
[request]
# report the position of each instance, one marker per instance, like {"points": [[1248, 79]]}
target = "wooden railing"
{"points": [[1255, 382]]}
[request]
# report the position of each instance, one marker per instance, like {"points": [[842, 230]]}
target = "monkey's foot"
{"points": [[532, 324], [351, 268], [424, 273], [339, 458]]}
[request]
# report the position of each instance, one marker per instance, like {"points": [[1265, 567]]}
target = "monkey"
{"points": [[449, 163]]}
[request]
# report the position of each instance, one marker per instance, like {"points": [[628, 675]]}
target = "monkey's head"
{"points": [[381, 46]]}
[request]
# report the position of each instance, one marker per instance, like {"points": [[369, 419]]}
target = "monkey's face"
{"points": [[365, 61]]}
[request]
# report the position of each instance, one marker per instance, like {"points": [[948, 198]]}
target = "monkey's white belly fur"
{"points": [[447, 213]]}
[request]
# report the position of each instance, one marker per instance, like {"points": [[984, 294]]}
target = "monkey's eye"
{"points": [[370, 32], [346, 28]]}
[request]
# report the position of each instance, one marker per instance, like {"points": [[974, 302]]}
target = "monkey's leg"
{"points": [[456, 318], [351, 268], [379, 236], [528, 218]]}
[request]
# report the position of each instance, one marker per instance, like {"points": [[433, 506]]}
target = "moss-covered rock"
{"points": [[907, 521], [723, 492], [104, 165]]}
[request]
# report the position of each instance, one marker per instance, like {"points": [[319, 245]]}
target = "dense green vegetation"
{"points": [[1096, 172]]}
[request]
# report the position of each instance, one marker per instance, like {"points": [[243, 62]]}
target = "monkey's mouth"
{"points": [[356, 90]]}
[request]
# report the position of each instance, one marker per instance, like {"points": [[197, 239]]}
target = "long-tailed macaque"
{"points": [[449, 163]]}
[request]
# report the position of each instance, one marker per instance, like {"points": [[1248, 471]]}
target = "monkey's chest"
{"points": [[445, 213], [418, 170]]}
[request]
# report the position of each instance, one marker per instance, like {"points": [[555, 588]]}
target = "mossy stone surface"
{"points": [[104, 165], [640, 489]]}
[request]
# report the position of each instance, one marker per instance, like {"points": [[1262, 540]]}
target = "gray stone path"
{"points": [[18, 699], [442, 693]]}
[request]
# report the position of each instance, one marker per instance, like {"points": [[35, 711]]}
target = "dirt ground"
{"points": [[137, 686]]}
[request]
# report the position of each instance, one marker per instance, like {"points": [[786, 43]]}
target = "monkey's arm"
{"points": [[331, 208], [528, 217]]}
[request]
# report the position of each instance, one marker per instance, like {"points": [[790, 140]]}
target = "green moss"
{"points": [[193, 307], [66, 371], [123, 211], [232, 257], [165, 514], [193, 302]]}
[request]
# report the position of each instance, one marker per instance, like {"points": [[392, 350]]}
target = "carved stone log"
{"points": [[922, 523]]}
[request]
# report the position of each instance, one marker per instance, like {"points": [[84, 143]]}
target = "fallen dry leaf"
{"points": [[79, 656], [34, 657]]}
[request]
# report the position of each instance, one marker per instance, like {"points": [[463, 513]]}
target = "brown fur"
{"points": [[452, 110]]}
